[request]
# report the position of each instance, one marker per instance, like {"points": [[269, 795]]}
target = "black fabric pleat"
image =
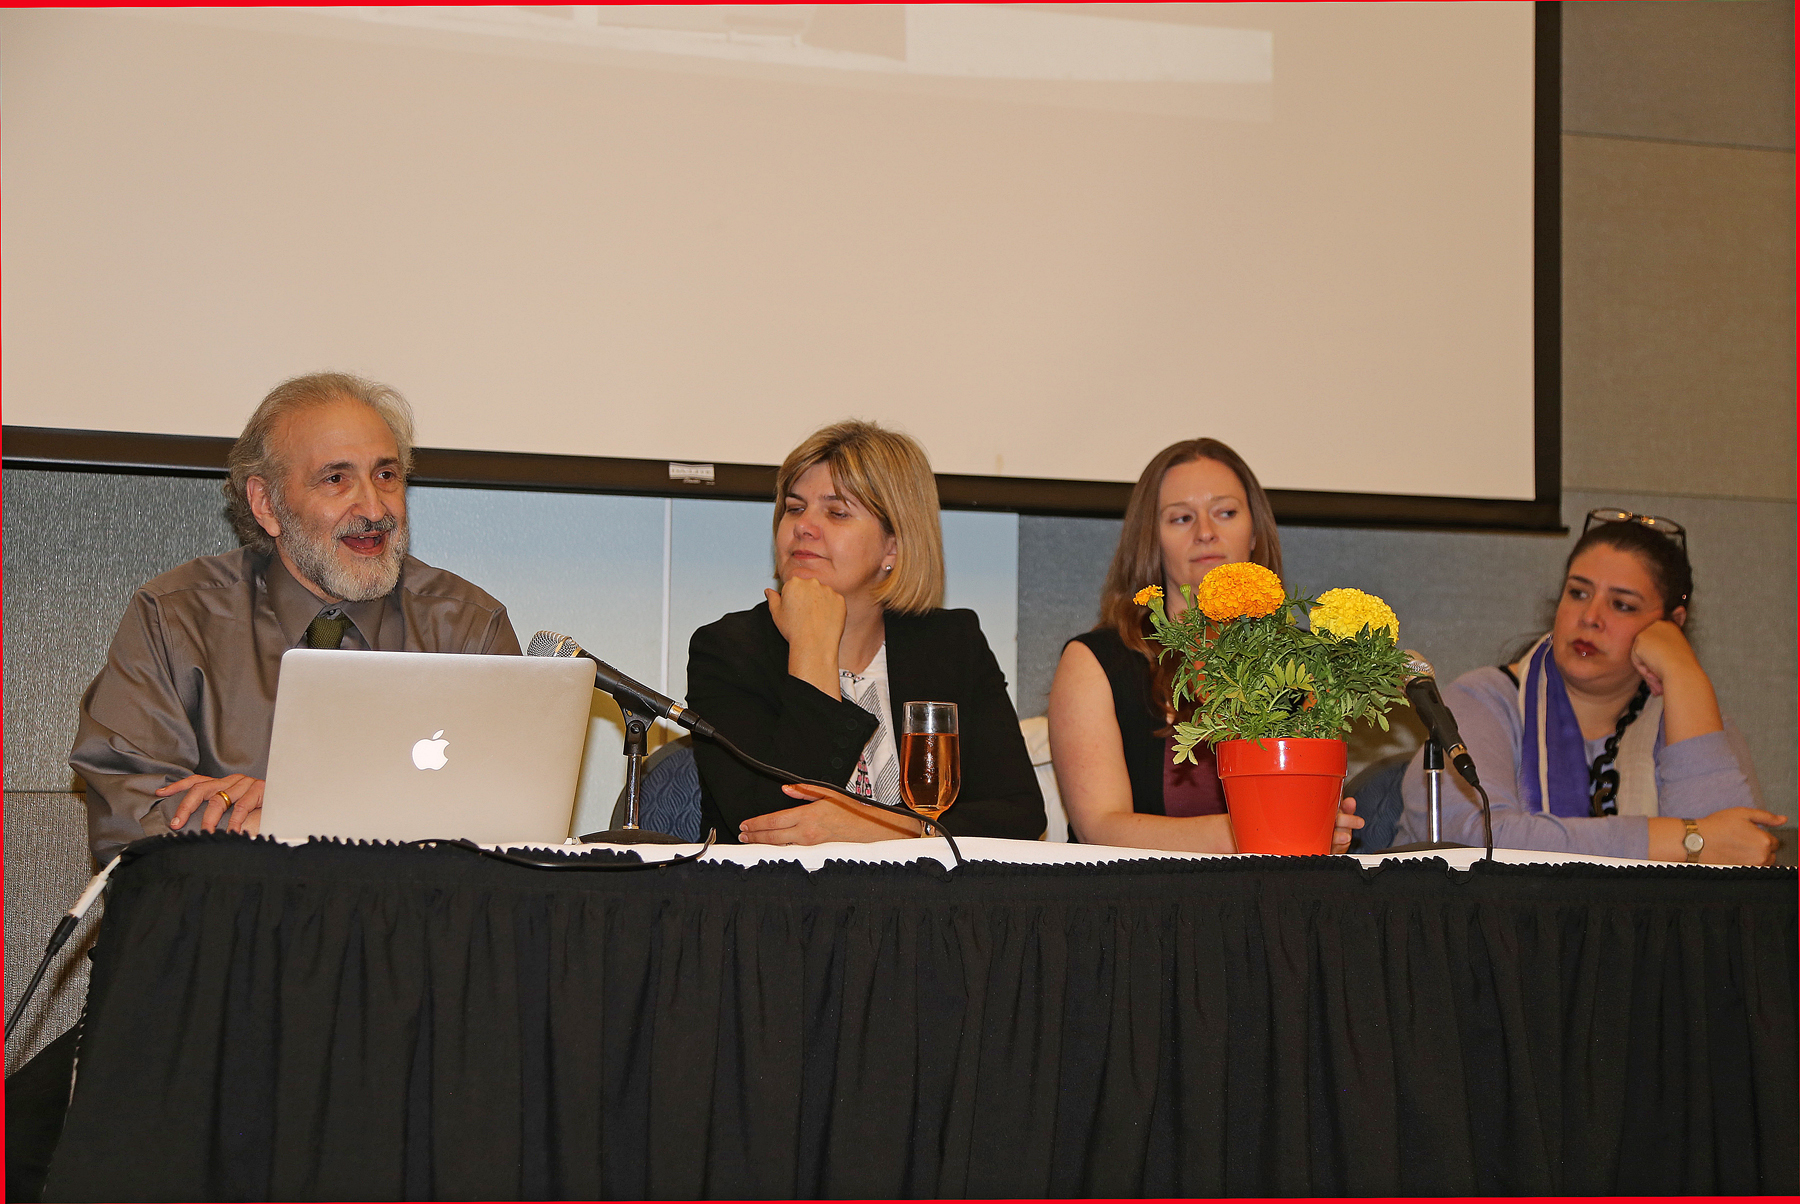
{"points": [[374, 1022]]}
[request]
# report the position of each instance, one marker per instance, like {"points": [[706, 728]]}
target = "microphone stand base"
{"points": [[632, 836], [1419, 846]]}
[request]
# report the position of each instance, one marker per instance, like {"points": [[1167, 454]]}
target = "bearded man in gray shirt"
{"points": [[174, 731]]}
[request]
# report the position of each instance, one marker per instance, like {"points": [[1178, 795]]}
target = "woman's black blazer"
{"points": [[738, 681]]}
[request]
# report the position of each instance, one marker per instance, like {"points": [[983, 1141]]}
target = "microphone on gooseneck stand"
{"points": [[1442, 740], [1422, 691], [642, 706], [622, 688]]}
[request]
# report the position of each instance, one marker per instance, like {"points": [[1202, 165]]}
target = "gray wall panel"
{"points": [[1683, 71], [1062, 565], [46, 866], [1678, 320], [76, 546], [1463, 599]]}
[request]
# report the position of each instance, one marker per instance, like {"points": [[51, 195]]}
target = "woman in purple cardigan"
{"points": [[1605, 736]]}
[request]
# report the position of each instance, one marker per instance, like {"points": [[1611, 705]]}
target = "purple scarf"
{"points": [[1551, 748]]}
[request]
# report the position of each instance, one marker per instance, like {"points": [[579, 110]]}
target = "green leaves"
{"points": [[1270, 677]]}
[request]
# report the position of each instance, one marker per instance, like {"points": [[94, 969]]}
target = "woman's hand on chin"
{"points": [[804, 607], [831, 816], [1665, 660], [810, 616], [1660, 652]]}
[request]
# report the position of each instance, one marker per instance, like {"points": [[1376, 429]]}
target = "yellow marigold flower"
{"points": [[1148, 594], [1341, 613], [1237, 591]]}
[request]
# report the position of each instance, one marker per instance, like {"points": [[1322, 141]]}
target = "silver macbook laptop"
{"points": [[411, 745]]}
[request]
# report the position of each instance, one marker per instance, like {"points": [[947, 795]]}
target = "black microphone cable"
{"points": [[1487, 824], [65, 928], [517, 857], [627, 691]]}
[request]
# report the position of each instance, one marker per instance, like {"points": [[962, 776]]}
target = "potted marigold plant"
{"points": [[1276, 698]]}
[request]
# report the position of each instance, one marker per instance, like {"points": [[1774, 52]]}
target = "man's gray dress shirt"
{"points": [[189, 682]]}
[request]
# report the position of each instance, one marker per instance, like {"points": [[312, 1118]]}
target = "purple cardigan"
{"points": [[1693, 778]]}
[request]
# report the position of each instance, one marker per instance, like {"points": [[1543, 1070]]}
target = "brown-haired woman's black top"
{"points": [[1158, 787]]}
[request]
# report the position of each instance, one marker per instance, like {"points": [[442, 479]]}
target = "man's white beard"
{"points": [[324, 562]]}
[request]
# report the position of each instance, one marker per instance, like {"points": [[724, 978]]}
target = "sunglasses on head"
{"points": [[1662, 526]]}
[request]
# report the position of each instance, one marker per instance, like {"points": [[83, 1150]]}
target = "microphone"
{"points": [[1422, 691], [621, 687], [632, 694]]}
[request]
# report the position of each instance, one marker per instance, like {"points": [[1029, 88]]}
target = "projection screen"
{"points": [[588, 241]]}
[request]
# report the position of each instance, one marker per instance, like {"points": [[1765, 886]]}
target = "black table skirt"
{"points": [[331, 1022]]}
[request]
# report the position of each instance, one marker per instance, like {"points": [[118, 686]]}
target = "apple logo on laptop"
{"points": [[429, 754]]}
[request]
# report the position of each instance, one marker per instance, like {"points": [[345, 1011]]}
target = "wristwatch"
{"points": [[1693, 842]]}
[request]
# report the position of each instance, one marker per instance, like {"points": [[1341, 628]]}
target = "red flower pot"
{"points": [[1282, 793]]}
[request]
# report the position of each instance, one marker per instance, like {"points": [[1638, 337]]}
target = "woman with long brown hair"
{"points": [[1196, 506]]}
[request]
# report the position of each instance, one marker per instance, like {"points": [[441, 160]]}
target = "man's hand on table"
{"points": [[241, 793], [831, 815]]}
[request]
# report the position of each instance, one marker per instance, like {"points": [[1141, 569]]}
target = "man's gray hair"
{"points": [[255, 455]]}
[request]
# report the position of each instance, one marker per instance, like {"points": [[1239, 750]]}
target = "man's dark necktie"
{"points": [[327, 630]]}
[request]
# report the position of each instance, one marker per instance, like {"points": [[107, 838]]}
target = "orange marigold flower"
{"points": [[1238, 591], [1146, 595]]}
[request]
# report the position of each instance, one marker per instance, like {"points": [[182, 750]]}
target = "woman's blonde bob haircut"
{"points": [[888, 474]]}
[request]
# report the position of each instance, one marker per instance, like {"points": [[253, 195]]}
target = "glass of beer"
{"points": [[930, 760]]}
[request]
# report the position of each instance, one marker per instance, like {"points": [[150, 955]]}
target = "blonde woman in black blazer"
{"points": [[860, 564]]}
